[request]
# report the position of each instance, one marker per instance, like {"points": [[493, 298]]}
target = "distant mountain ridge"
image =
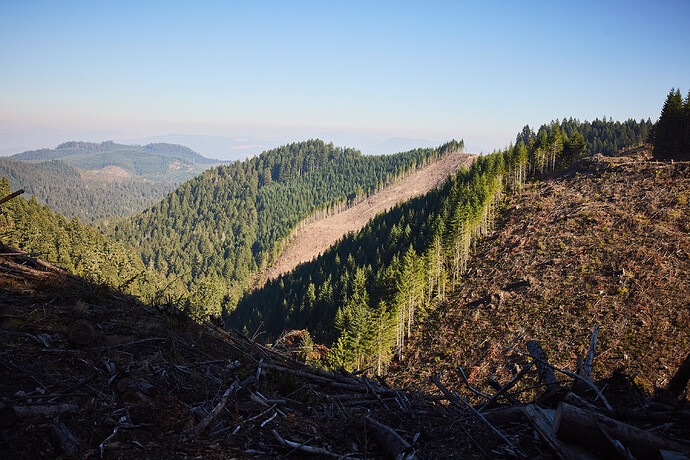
{"points": [[78, 148], [95, 181]]}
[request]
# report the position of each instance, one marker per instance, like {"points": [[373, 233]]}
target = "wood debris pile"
{"points": [[88, 372]]}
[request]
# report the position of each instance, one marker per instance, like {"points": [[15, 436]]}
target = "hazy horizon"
{"points": [[230, 79]]}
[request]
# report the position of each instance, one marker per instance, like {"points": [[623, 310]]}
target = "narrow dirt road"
{"points": [[318, 236]]}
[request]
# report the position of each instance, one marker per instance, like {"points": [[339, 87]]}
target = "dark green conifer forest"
{"points": [[69, 244], [60, 185]]}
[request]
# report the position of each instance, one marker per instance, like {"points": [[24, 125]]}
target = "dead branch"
{"points": [[11, 195], [302, 448], [545, 372], [507, 386], [574, 375], [214, 413], [470, 387], [454, 398]]}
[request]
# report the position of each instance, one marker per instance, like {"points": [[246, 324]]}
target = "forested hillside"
{"points": [[69, 244], [362, 297], [98, 181], [66, 191], [82, 154], [215, 231]]}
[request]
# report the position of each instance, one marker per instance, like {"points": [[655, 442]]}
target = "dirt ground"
{"points": [[318, 236]]}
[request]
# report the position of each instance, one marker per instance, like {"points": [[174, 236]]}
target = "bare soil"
{"points": [[318, 236], [107, 174]]}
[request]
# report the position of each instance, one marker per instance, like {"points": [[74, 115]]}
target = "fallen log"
{"points": [[542, 420], [584, 427]]}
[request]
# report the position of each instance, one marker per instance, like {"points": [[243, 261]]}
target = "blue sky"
{"points": [[230, 78]]}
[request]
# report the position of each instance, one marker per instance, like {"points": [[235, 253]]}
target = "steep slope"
{"points": [[314, 238], [363, 296], [89, 372], [603, 245]]}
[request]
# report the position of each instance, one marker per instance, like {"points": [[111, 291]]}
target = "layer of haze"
{"points": [[234, 78]]}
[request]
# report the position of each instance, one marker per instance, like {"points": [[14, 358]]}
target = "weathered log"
{"points": [[44, 411], [391, 443], [10, 414], [680, 379], [545, 372], [542, 420], [585, 427], [589, 362]]}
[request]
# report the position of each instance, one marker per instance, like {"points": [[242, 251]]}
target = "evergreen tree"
{"points": [[668, 131]]}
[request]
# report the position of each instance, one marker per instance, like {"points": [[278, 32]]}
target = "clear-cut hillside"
{"points": [[604, 244], [314, 238]]}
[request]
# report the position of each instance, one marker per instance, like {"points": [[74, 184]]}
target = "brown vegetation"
{"points": [[606, 244]]}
